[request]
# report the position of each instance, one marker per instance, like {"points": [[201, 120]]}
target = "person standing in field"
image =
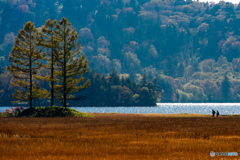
{"points": [[213, 112], [217, 113]]}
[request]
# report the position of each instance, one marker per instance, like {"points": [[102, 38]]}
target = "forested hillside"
{"points": [[192, 48]]}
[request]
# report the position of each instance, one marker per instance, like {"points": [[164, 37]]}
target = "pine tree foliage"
{"points": [[70, 67], [49, 40], [25, 61]]}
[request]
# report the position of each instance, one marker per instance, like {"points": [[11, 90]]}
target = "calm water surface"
{"points": [[166, 108]]}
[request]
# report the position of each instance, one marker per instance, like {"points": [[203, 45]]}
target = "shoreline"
{"points": [[165, 115], [149, 114]]}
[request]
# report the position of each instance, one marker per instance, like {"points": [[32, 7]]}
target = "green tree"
{"points": [[167, 91], [25, 61], [70, 67], [146, 98], [157, 90], [144, 80], [49, 40], [225, 88], [114, 78]]}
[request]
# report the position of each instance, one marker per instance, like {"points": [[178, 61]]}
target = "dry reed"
{"points": [[119, 136]]}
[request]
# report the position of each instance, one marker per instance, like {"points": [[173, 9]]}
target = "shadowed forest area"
{"points": [[189, 48]]}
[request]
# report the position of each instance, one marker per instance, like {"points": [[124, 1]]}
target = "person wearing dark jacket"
{"points": [[213, 112], [217, 113]]}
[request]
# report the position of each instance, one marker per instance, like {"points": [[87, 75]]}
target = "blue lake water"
{"points": [[166, 108]]}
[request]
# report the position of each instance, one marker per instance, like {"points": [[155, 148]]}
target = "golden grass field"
{"points": [[119, 136]]}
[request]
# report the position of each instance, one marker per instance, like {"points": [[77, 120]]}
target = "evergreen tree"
{"points": [[49, 40], [168, 91], [156, 89], [25, 61], [70, 67], [144, 80], [114, 78], [225, 88]]}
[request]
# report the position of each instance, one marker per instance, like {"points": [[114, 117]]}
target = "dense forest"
{"points": [[191, 49]]}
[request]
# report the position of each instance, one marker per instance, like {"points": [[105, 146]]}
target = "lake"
{"points": [[166, 108]]}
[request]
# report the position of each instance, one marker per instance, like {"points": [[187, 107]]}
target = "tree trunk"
{"points": [[64, 72], [30, 61], [52, 89]]}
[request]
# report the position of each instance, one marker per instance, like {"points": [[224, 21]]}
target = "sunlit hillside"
{"points": [[192, 48]]}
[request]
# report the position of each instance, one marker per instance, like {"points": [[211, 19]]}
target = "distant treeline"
{"points": [[111, 90], [115, 90]]}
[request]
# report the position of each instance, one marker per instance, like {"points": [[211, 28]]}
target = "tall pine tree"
{"points": [[25, 61], [49, 40], [70, 64]]}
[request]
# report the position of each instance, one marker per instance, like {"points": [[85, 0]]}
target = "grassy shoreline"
{"points": [[54, 111], [37, 112]]}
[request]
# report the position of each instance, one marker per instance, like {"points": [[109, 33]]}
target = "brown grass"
{"points": [[119, 136]]}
